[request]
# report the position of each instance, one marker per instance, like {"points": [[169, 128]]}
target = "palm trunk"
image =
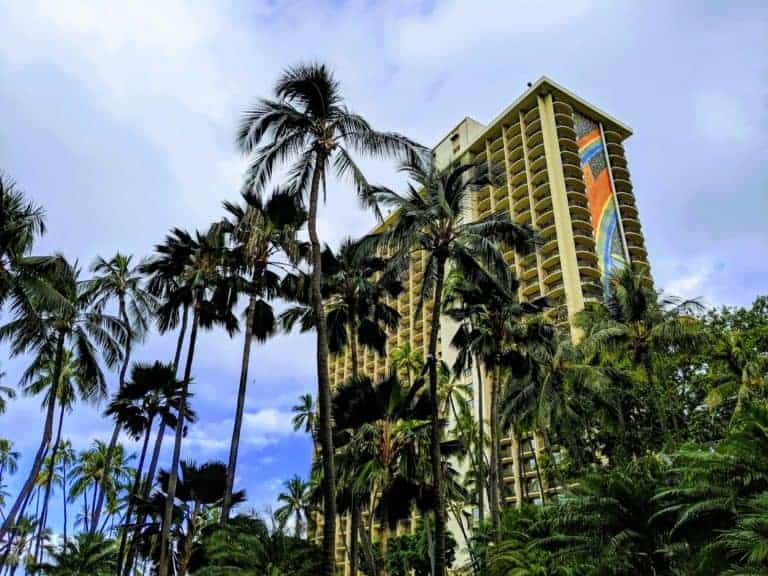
{"points": [[174, 471], [49, 483], [37, 463], [116, 430], [241, 391], [435, 430], [134, 494], [493, 482], [64, 497], [353, 530], [323, 385], [158, 446], [355, 508]]}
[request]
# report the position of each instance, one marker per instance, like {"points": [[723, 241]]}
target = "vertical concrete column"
{"points": [[574, 298]]}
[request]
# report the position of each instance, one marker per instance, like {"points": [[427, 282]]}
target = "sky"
{"points": [[119, 118]]}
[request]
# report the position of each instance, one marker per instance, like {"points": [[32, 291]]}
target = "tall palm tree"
{"points": [[71, 386], [490, 317], [118, 279], [263, 238], [58, 315], [149, 394], [294, 504], [431, 220], [166, 281], [21, 222], [308, 127], [153, 394], [66, 458], [212, 300]]}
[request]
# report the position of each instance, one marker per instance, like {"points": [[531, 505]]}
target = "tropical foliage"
{"points": [[633, 440]]}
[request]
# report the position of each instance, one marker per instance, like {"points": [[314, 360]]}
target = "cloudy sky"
{"points": [[119, 118]]}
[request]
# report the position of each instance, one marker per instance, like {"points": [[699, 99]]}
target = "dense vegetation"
{"points": [[649, 427]]}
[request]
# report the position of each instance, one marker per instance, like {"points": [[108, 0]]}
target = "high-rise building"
{"points": [[557, 163]]}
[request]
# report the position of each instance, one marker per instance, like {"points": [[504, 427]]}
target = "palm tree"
{"points": [[294, 504], [212, 300], [58, 315], [407, 361], [117, 279], [166, 281], [264, 244], [9, 458], [355, 292], [490, 317], [91, 474], [305, 415], [86, 555], [308, 125], [65, 460], [151, 391], [431, 221], [383, 445], [636, 323], [6, 393], [160, 400], [200, 491], [21, 221], [72, 384]]}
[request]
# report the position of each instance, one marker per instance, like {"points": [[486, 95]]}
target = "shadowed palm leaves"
{"points": [[57, 314], [117, 279], [355, 290], [151, 393], [213, 295], [263, 238], [308, 128], [432, 220], [198, 496], [21, 221], [490, 329], [383, 444]]}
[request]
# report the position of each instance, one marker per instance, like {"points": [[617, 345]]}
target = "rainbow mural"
{"points": [[602, 205]]}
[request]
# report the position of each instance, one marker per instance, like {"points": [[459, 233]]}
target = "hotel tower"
{"points": [[556, 163]]}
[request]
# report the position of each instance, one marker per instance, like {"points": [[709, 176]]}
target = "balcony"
{"points": [[532, 128], [537, 165], [551, 262], [531, 288], [612, 137], [570, 157], [568, 146], [563, 108], [534, 140], [539, 177], [617, 161], [520, 192], [535, 151], [522, 204], [630, 224], [555, 290], [544, 205], [531, 115], [614, 149], [566, 133], [545, 219], [620, 173]]}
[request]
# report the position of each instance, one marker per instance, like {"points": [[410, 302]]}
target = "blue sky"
{"points": [[119, 118]]}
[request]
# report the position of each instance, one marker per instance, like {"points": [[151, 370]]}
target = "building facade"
{"points": [[556, 163]]}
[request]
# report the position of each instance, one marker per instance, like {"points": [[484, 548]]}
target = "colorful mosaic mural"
{"points": [[602, 205]]}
